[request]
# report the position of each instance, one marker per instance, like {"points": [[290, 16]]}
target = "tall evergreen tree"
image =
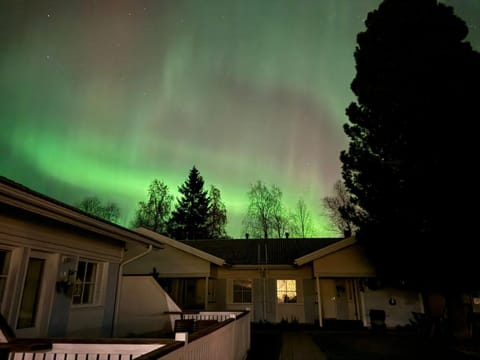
{"points": [[190, 217], [409, 164]]}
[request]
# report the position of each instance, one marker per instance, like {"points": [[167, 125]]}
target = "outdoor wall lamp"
{"points": [[66, 281], [66, 278]]}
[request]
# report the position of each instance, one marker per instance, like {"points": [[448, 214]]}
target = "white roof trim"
{"points": [[180, 246], [42, 206], [317, 254]]}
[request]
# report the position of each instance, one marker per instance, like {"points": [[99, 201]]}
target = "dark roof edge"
{"points": [[20, 196]]}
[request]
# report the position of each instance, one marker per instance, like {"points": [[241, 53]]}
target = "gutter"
{"points": [[119, 285]]}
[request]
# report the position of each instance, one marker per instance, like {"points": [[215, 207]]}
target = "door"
{"points": [[37, 294]]}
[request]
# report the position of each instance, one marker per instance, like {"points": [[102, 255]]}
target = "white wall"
{"points": [[26, 235], [142, 307], [169, 262], [398, 314], [348, 262], [85, 322]]}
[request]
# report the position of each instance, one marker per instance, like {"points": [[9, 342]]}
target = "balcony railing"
{"points": [[228, 338]]}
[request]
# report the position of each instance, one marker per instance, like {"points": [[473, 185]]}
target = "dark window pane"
{"points": [[81, 270], [237, 297], [31, 293], [3, 282], [91, 271], [4, 262]]}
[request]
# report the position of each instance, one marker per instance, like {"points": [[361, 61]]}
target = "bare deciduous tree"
{"points": [[340, 209], [155, 212], [109, 211], [265, 215], [217, 215], [301, 223]]}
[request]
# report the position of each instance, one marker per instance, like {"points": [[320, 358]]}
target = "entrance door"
{"points": [[346, 299], [36, 296], [339, 299]]}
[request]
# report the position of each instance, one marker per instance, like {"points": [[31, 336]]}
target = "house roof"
{"points": [[19, 196], [261, 251], [181, 246]]}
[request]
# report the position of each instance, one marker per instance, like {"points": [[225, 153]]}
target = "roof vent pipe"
{"points": [[246, 236], [287, 235]]}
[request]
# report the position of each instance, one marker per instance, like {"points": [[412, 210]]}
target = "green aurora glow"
{"points": [[100, 97]]}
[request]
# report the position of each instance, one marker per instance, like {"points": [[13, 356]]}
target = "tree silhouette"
{"points": [[411, 155], [109, 211], [154, 213], [341, 209], [217, 215], [265, 215], [301, 223], [190, 217]]}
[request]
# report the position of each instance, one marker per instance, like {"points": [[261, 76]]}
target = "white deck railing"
{"points": [[71, 350], [227, 340]]}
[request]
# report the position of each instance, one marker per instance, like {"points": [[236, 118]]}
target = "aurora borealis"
{"points": [[101, 97]]}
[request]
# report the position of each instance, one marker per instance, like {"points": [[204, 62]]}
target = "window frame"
{"points": [[6, 276], [242, 291], [95, 283], [282, 293]]}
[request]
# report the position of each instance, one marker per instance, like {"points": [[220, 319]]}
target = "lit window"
{"points": [[85, 283], [4, 265], [287, 291], [242, 291]]}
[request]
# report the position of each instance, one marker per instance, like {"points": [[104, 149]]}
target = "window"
{"points": [[85, 283], [286, 291], [4, 265], [242, 291]]}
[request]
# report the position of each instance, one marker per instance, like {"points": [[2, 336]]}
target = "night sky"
{"points": [[101, 97]]}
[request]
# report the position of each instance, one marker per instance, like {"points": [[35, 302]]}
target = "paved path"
{"points": [[299, 345]]}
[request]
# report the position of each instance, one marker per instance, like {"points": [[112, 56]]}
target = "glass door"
{"points": [[35, 302]]}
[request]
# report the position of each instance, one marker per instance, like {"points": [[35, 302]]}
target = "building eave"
{"points": [[180, 246], [43, 206], [325, 251]]}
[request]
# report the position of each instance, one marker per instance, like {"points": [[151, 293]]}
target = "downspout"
{"points": [[119, 284], [319, 302], [265, 297]]}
